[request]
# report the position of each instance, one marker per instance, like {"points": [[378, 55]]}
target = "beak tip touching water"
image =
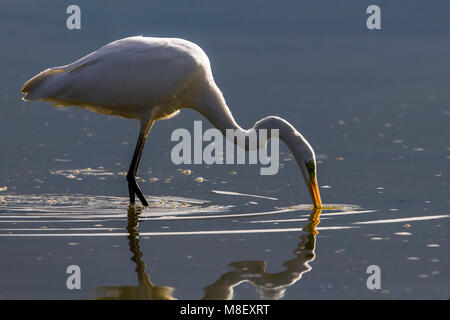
{"points": [[315, 194]]}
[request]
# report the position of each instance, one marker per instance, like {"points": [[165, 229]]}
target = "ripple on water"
{"points": [[82, 206], [62, 215]]}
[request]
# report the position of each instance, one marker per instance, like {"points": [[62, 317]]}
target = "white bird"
{"points": [[150, 79]]}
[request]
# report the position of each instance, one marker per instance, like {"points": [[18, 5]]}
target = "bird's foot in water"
{"points": [[135, 209], [134, 189]]}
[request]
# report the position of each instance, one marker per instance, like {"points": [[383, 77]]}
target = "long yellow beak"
{"points": [[315, 193]]}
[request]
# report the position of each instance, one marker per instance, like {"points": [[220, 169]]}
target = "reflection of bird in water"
{"points": [[145, 290], [269, 285], [151, 79]]}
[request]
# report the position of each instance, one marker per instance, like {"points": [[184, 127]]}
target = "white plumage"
{"points": [[125, 77], [150, 79]]}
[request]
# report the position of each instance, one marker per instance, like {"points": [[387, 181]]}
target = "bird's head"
{"points": [[306, 161], [300, 148], [310, 176]]}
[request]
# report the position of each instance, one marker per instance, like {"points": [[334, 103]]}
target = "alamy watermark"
{"points": [[74, 20], [374, 280], [74, 280], [218, 152], [374, 20]]}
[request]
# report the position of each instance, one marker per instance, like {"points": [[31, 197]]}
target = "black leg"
{"points": [[133, 187]]}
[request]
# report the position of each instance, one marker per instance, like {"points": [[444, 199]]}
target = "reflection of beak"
{"points": [[311, 228], [315, 193]]}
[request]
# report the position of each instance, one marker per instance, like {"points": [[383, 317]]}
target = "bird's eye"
{"points": [[311, 168]]}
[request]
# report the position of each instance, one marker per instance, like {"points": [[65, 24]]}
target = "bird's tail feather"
{"points": [[39, 86]]}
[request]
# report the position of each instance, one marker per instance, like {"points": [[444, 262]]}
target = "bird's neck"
{"points": [[215, 109]]}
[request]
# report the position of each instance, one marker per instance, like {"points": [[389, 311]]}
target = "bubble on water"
{"points": [[434, 260], [62, 160], [406, 225], [70, 173], [434, 272]]}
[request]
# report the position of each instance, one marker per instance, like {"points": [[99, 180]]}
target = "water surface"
{"points": [[375, 107]]}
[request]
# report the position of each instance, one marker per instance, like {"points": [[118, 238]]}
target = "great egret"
{"points": [[150, 79]]}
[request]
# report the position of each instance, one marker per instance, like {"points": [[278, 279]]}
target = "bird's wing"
{"points": [[134, 73]]}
